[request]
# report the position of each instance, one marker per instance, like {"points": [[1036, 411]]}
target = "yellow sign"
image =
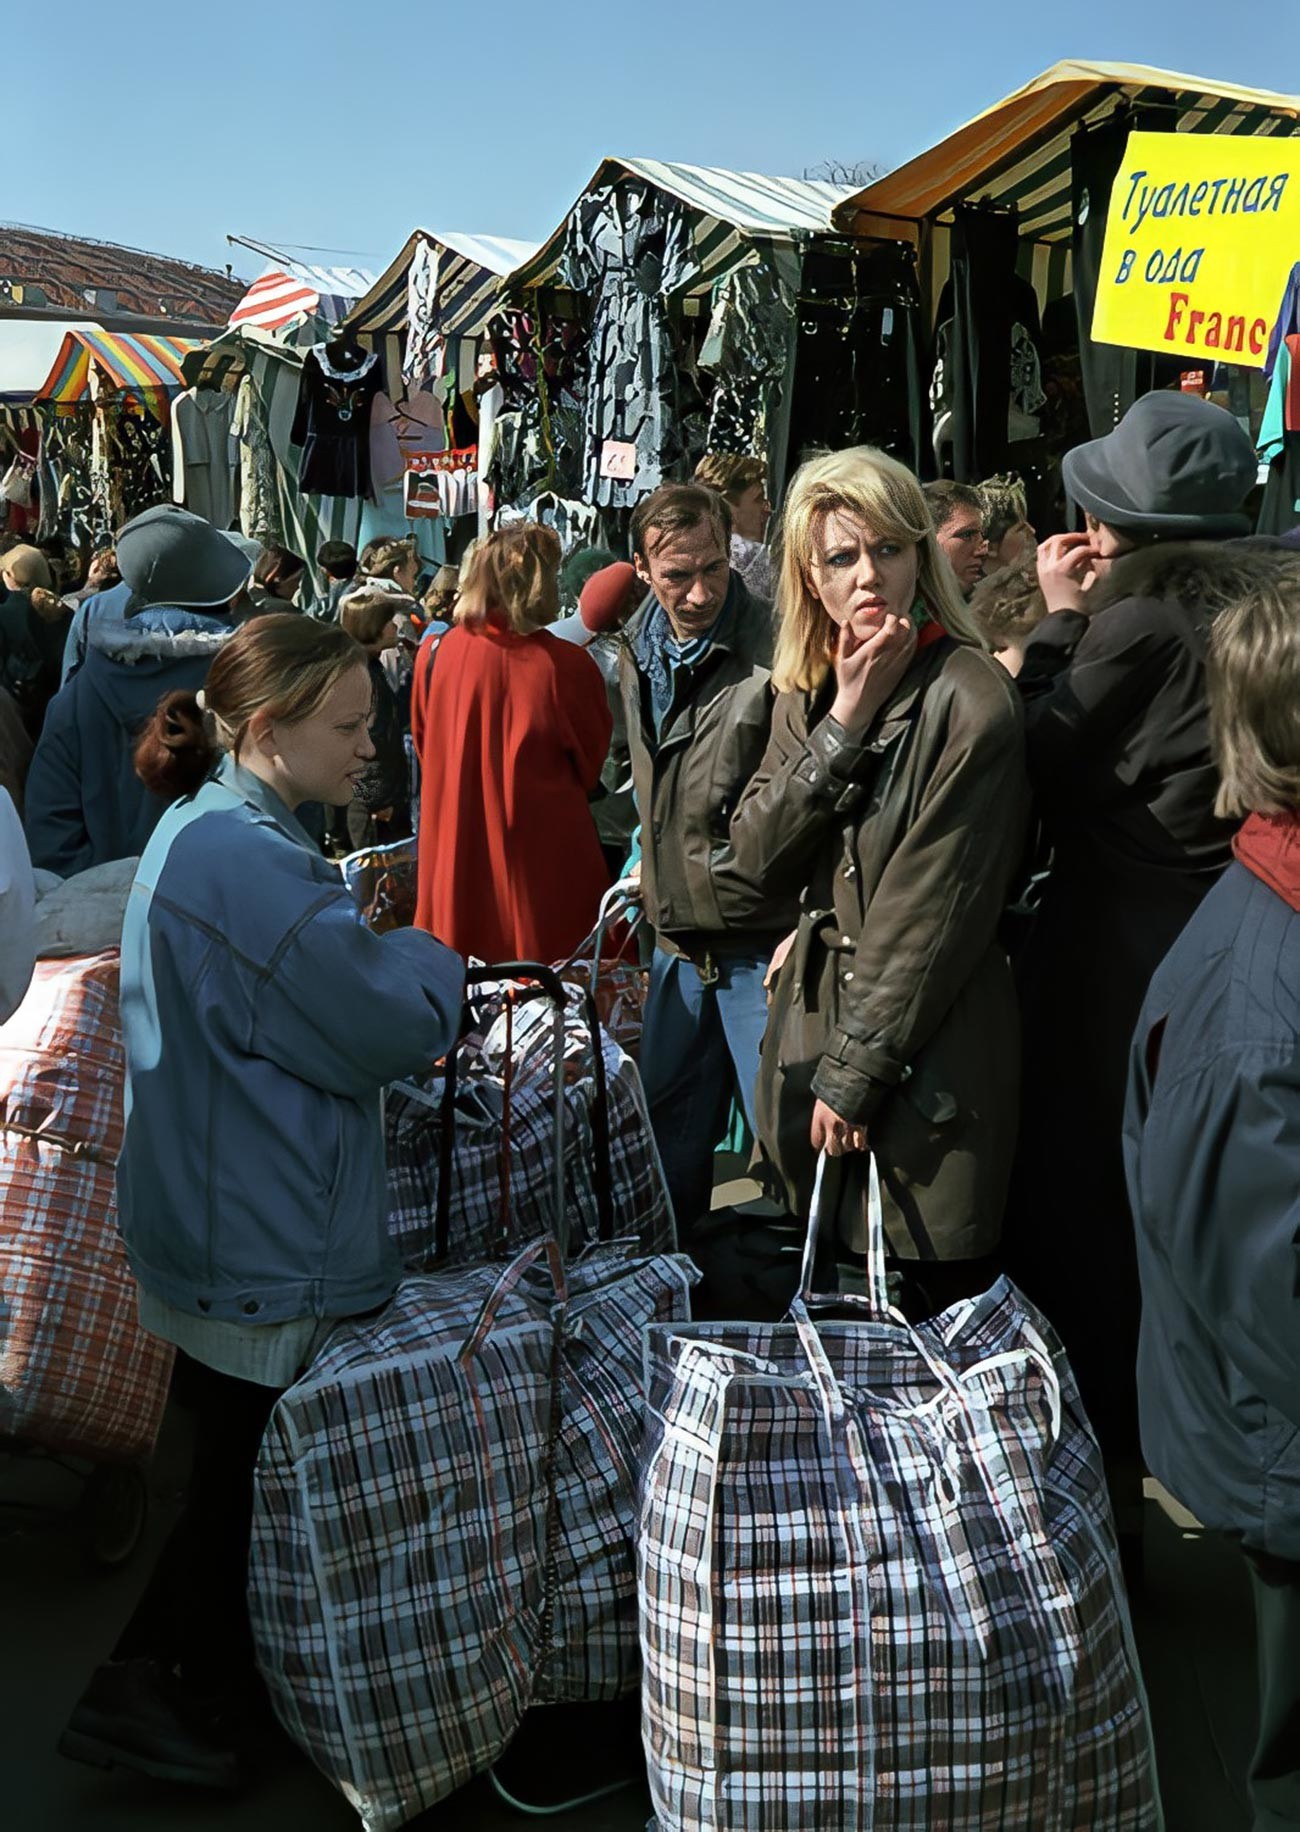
{"points": [[1201, 236]]}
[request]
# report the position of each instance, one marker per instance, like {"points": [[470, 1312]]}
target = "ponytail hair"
{"points": [[176, 753], [284, 665]]}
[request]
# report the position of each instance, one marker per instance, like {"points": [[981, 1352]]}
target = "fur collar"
{"points": [[1208, 574], [143, 639]]}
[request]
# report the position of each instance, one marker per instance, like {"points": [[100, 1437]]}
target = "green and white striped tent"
{"points": [[1018, 152], [730, 213], [275, 368], [470, 269]]}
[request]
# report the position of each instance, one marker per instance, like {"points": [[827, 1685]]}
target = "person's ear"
{"points": [[260, 736], [642, 570]]}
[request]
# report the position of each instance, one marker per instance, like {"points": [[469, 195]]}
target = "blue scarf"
{"points": [[659, 655]]}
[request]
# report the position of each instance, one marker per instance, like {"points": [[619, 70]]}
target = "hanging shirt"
{"points": [[203, 460], [332, 424]]}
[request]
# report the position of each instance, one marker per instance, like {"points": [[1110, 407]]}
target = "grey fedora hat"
{"points": [[1175, 464], [169, 557]]}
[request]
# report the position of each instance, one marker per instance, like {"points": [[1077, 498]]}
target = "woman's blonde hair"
{"points": [[875, 489], [1254, 681], [514, 575]]}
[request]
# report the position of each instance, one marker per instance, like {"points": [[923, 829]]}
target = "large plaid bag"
{"points": [[618, 985], [879, 1581], [471, 1155], [397, 1574], [77, 1373], [445, 1516], [591, 1648]]}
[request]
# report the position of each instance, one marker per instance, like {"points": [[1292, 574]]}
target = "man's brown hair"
{"points": [[1009, 603], [730, 473], [674, 506]]}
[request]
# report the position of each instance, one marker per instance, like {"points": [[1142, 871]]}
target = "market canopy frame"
{"points": [[1018, 151]]}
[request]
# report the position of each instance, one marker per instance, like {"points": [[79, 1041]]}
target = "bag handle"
{"points": [[509, 1280]]}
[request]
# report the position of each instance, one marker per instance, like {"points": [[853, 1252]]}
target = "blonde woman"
{"points": [[893, 800], [511, 726]]}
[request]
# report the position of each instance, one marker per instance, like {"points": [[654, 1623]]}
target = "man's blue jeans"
{"points": [[699, 1048]]}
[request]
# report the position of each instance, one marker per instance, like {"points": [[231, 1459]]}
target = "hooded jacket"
{"points": [[1212, 1154], [260, 1030], [85, 804]]}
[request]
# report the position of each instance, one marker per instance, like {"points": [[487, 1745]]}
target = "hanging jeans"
{"points": [[699, 1049]]}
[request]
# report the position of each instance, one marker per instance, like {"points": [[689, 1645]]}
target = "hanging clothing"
{"points": [[425, 354], [259, 518], [332, 423], [1279, 443], [749, 348], [511, 733], [398, 428], [204, 456], [1113, 377], [629, 248], [858, 356]]}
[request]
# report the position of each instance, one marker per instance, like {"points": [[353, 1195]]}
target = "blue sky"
{"points": [[167, 126]]}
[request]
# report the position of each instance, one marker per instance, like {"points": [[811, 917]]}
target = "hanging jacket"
{"points": [[85, 804], [261, 1022]]}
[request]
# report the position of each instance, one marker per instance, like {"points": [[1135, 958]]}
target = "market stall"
{"points": [[427, 314], [661, 319], [1008, 218], [105, 436]]}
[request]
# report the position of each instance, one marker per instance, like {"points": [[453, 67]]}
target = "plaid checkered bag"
{"points": [[879, 1581], [619, 987], [471, 1157], [384, 882], [397, 1575], [592, 1649], [77, 1373]]}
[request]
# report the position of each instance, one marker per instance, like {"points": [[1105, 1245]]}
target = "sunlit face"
{"points": [[859, 574], [406, 573], [320, 758], [750, 511], [962, 540], [689, 572], [1107, 543]]}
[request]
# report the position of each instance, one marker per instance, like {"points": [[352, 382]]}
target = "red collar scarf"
{"points": [[1269, 845]]}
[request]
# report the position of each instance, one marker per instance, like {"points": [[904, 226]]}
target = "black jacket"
{"points": [[1212, 1154]]}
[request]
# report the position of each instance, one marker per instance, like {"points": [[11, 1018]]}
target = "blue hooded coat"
{"points": [[84, 802]]}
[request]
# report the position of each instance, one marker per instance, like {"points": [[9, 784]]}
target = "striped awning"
{"points": [[274, 300], [729, 209], [470, 269], [131, 367], [1018, 151]]}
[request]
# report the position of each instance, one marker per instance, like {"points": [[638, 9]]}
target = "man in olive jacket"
{"points": [[695, 675]]}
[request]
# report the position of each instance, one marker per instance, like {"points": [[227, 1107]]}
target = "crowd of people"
{"points": [[973, 854]]}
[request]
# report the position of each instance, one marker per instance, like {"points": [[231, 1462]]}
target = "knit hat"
{"points": [[169, 557], [27, 566], [606, 598]]}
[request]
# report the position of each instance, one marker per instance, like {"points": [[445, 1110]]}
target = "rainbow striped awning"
{"points": [[131, 368]]}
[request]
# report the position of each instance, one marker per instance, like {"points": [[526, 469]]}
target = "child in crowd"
{"points": [[336, 562]]}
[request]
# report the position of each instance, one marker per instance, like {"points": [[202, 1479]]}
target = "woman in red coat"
{"points": [[512, 728]]}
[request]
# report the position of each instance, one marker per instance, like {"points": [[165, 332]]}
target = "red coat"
{"points": [[512, 733]]}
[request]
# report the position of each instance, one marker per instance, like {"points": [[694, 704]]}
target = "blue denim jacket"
{"points": [[261, 1024]]}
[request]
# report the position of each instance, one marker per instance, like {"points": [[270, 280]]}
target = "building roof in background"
{"points": [[43, 269], [729, 207], [470, 270], [1018, 151]]}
